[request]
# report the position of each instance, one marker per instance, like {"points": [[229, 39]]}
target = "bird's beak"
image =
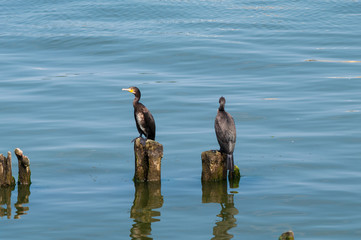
{"points": [[127, 89]]}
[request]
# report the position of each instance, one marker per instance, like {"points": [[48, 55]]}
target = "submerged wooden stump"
{"points": [[214, 168], [147, 161], [6, 177], [287, 236], [24, 167]]}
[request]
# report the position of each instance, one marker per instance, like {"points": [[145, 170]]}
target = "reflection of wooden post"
{"points": [[147, 197], [23, 197], [214, 192], [287, 236], [147, 161], [5, 199], [6, 177], [24, 167]]}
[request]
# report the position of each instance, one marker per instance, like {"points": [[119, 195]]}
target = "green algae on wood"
{"points": [[234, 177], [147, 160], [6, 177], [24, 168], [287, 236]]}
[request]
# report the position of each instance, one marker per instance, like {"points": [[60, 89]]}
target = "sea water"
{"points": [[291, 75]]}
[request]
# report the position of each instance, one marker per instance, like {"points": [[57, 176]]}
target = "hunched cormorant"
{"points": [[143, 118], [226, 133]]}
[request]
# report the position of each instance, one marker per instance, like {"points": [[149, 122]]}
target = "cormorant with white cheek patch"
{"points": [[143, 118]]}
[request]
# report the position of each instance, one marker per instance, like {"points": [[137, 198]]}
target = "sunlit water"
{"points": [[291, 74]]}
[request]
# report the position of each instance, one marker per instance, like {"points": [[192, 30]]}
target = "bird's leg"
{"points": [[140, 136], [230, 162]]}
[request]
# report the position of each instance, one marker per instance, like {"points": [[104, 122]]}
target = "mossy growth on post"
{"points": [[214, 168], [147, 160], [6, 177], [234, 177], [287, 236]]}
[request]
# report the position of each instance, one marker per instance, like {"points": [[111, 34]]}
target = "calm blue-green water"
{"points": [[62, 67]]}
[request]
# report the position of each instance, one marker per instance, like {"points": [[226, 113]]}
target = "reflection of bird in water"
{"points": [[143, 118], [228, 211], [216, 192], [226, 133]]}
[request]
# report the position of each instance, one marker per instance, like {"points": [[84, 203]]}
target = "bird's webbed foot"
{"points": [[143, 141]]}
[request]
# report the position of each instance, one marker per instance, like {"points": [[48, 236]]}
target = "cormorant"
{"points": [[143, 118], [226, 133]]}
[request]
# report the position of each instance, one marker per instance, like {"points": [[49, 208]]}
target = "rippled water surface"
{"points": [[291, 74]]}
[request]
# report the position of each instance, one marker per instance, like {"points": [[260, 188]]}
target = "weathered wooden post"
{"points": [[147, 160], [24, 167], [6, 177], [214, 168], [287, 236]]}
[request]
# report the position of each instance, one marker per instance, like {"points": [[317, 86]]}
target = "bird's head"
{"points": [[133, 90], [222, 102]]}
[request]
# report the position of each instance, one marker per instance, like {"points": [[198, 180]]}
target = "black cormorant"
{"points": [[143, 118], [226, 133]]}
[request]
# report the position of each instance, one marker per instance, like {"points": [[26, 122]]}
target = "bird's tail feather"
{"points": [[230, 162]]}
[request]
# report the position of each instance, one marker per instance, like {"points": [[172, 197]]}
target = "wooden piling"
{"points": [[24, 168], [214, 168], [147, 161], [6, 177]]}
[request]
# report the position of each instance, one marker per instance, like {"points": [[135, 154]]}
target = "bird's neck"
{"points": [[135, 101], [221, 109]]}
